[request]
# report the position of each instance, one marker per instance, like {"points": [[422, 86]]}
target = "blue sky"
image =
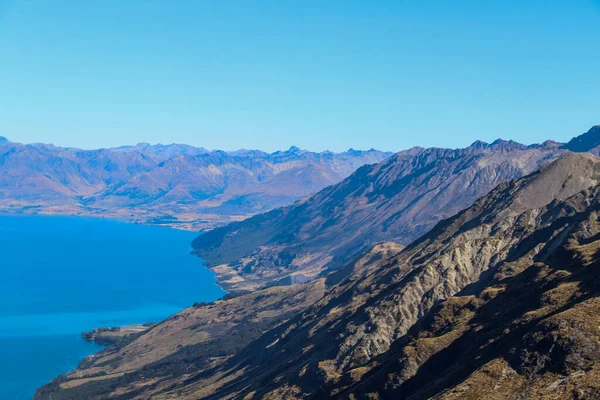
{"points": [[316, 74]]}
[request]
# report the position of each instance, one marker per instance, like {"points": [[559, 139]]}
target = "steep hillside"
{"points": [[396, 200], [504, 292], [196, 340], [190, 342], [175, 185], [334, 343], [533, 332]]}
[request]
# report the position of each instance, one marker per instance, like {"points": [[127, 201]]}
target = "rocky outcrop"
{"points": [[531, 332]]}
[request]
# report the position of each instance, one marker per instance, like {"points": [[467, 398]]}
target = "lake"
{"points": [[65, 275]]}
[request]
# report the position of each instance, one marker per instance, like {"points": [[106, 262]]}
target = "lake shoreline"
{"points": [[85, 273]]}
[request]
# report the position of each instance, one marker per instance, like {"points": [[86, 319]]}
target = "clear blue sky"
{"points": [[316, 74]]}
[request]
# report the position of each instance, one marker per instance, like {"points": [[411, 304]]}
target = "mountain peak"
{"points": [[507, 144], [3, 140], [585, 142], [354, 151], [479, 144]]}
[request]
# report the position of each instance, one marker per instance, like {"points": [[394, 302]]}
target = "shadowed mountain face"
{"points": [[499, 301], [176, 185], [588, 142], [396, 200]]}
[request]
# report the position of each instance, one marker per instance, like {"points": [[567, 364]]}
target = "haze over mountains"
{"points": [[497, 301], [176, 185]]}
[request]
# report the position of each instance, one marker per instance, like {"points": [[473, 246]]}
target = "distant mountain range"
{"points": [[176, 185], [499, 300]]}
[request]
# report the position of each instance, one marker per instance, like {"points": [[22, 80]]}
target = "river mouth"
{"points": [[66, 275]]}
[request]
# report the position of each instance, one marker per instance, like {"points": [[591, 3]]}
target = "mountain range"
{"points": [[176, 185], [495, 294], [396, 200]]}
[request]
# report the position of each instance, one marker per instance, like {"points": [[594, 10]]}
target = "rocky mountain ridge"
{"points": [[396, 200], [530, 332]]}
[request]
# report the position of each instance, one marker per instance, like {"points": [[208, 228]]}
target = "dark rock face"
{"points": [[174, 185], [396, 200]]}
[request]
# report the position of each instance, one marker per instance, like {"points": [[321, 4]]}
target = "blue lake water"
{"points": [[64, 275]]}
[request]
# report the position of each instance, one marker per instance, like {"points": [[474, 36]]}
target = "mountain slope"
{"points": [[396, 200], [532, 333], [177, 185], [195, 340], [389, 325], [333, 343]]}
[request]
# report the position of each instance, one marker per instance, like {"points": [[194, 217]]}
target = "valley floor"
{"points": [[188, 221]]}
